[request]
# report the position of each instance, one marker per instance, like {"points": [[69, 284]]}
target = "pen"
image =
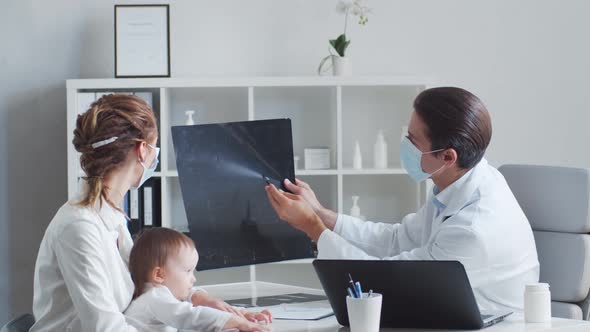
{"points": [[353, 286], [359, 291], [350, 292], [370, 293]]}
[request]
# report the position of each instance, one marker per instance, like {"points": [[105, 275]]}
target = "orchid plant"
{"points": [[340, 44], [354, 8]]}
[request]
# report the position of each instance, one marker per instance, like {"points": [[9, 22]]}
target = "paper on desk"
{"points": [[300, 311]]}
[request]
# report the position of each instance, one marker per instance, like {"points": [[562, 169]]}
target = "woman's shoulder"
{"points": [[72, 216]]}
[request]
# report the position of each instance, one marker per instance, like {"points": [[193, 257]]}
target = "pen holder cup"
{"points": [[364, 314]]}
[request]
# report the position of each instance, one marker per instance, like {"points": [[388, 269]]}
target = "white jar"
{"points": [[537, 303]]}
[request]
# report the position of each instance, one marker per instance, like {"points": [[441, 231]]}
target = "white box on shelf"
{"points": [[317, 158]]}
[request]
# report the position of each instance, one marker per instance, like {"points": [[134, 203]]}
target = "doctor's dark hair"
{"points": [[457, 119], [127, 117], [152, 249]]}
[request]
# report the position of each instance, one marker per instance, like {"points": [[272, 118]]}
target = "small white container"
{"points": [[317, 158], [537, 303], [364, 314]]}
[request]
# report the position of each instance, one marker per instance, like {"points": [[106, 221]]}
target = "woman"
{"points": [[82, 282]]}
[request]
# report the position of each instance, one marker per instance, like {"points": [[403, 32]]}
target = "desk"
{"points": [[514, 323]]}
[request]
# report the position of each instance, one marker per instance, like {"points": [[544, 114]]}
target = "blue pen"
{"points": [[353, 287], [350, 292], [359, 291]]}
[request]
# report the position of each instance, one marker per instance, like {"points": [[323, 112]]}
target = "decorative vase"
{"points": [[341, 66]]}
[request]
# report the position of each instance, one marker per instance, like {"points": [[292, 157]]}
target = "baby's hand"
{"points": [[263, 316], [242, 324]]}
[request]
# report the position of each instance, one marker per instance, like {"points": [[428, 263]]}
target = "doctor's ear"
{"points": [[450, 156], [158, 275]]}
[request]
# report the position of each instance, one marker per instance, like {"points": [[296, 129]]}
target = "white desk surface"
{"points": [[514, 323]]}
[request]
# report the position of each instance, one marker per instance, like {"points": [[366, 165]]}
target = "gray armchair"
{"points": [[556, 201]]}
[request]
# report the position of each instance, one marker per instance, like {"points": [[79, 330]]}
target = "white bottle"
{"points": [[380, 151], [537, 303], [355, 210], [357, 159], [189, 117]]}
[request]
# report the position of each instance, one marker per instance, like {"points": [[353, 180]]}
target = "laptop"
{"points": [[416, 294]]}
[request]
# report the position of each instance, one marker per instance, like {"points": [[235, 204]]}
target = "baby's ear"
{"points": [[158, 275]]}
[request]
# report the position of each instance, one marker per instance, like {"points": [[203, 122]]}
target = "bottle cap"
{"points": [[538, 287]]}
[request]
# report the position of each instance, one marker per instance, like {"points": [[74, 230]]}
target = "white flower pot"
{"points": [[341, 66]]}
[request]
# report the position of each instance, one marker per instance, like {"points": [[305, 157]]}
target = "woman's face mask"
{"points": [[411, 158], [148, 172]]}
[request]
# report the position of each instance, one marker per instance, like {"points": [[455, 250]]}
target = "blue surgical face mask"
{"points": [[411, 158], [148, 172]]}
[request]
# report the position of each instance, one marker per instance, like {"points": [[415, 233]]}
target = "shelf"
{"points": [[332, 112], [171, 174], [306, 172], [373, 171], [316, 172], [177, 82]]}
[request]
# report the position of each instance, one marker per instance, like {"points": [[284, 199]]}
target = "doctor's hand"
{"points": [[296, 212], [303, 189]]}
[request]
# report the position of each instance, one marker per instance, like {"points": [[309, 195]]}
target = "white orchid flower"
{"points": [[343, 6]]}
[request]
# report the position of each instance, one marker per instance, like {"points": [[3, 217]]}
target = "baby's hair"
{"points": [[152, 248]]}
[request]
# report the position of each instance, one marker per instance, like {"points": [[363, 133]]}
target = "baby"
{"points": [[162, 264]]}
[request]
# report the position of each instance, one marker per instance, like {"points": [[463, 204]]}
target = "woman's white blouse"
{"points": [[82, 281]]}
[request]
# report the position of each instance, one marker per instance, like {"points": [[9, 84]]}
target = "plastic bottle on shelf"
{"points": [[189, 117], [355, 210], [357, 159], [380, 151]]}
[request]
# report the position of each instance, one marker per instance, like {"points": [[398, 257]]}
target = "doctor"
{"points": [[471, 215]]}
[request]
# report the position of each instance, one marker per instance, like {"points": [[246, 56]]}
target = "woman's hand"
{"points": [[296, 211], [242, 324], [204, 299], [263, 316], [303, 189]]}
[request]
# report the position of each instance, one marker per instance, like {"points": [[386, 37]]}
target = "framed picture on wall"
{"points": [[142, 41]]}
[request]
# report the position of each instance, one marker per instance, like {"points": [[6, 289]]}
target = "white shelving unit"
{"points": [[329, 112]]}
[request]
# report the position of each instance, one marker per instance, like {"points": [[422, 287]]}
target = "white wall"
{"points": [[528, 61]]}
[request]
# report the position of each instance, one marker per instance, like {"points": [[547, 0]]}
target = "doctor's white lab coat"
{"points": [[476, 221]]}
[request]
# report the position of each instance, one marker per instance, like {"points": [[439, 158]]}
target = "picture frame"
{"points": [[142, 40]]}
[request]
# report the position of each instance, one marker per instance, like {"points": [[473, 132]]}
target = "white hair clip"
{"points": [[104, 142]]}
